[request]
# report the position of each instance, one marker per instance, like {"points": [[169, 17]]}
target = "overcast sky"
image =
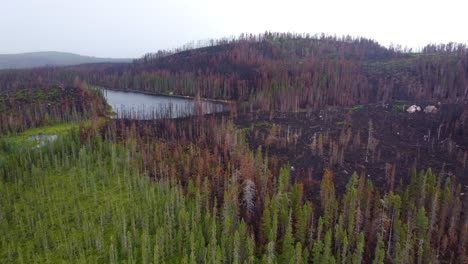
{"points": [[130, 28]]}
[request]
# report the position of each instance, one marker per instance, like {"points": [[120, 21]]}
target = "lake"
{"points": [[142, 106]]}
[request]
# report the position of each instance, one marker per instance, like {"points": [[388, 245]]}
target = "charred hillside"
{"points": [[290, 72], [285, 72], [44, 104]]}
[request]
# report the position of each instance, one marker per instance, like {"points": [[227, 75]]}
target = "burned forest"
{"points": [[326, 150]]}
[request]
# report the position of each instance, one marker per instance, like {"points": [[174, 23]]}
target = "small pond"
{"points": [[42, 139], [142, 106]]}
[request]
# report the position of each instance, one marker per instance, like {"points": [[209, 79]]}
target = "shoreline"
{"points": [[172, 95]]}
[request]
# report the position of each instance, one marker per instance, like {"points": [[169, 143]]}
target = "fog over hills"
{"points": [[49, 58]]}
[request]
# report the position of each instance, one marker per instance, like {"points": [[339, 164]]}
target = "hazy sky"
{"points": [[118, 28]]}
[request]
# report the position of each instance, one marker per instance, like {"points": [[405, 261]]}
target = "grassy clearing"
{"points": [[57, 129]]}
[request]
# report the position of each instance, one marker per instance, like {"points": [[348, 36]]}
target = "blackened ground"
{"points": [[399, 141]]}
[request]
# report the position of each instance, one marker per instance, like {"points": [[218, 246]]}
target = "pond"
{"points": [[42, 139], [143, 106]]}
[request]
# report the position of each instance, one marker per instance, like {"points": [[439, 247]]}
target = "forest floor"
{"points": [[338, 138], [398, 139]]}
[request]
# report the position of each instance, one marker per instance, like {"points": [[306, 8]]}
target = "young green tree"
{"points": [[350, 201], [298, 256], [379, 255], [287, 247], [303, 217], [327, 198], [327, 255], [317, 251], [359, 251]]}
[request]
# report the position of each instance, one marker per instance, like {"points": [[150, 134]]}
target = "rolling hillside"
{"points": [[292, 72], [49, 58]]}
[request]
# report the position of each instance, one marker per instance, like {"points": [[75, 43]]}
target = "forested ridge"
{"points": [[316, 159], [289, 72], [282, 71]]}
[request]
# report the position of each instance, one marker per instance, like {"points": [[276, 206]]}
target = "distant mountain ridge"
{"points": [[50, 58]]}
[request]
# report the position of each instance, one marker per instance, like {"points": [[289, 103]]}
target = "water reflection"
{"points": [[142, 106]]}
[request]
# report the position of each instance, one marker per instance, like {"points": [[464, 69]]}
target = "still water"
{"points": [[142, 106]]}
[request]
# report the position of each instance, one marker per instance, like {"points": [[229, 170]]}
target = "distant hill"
{"points": [[49, 58]]}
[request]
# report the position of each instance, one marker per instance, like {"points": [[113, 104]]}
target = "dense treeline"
{"points": [[84, 198]]}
